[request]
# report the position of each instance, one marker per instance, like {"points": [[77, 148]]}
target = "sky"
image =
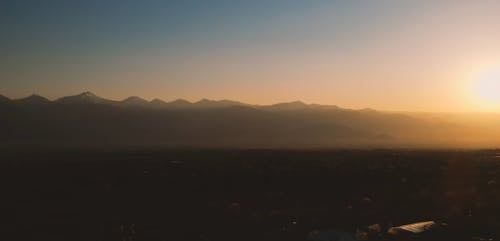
{"points": [[426, 55]]}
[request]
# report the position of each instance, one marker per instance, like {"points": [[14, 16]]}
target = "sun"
{"points": [[486, 89]]}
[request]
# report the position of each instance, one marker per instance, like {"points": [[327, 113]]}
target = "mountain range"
{"points": [[135, 101], [89, 120]]}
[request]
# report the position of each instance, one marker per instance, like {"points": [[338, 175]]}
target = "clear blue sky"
{"points": [[402, 55]]}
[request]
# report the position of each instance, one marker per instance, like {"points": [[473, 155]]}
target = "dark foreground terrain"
{"points": [[245, 195]]}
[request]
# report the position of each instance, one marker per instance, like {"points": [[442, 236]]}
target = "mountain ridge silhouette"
{"points": [[88, 97], [87, 119]]}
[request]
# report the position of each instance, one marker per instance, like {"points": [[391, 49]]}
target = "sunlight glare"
{"points": [[487, 88]]}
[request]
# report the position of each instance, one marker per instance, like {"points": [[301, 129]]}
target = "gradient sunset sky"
{"points": [[390, 55]]}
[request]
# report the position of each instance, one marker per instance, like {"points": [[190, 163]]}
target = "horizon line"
{"points": [[248, 104]]}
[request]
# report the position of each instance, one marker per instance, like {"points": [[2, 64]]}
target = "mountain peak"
{"points": [[179, 104], [204, 100], [33, 99], [294, 105], [135, 99], [36, 97], [181, 101], [85, 97], [88, 94], [298, 102], [158, 102], [206, 103], [176, 104]]}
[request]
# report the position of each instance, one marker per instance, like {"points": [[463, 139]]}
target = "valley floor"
{"points": [[245, 194]]}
